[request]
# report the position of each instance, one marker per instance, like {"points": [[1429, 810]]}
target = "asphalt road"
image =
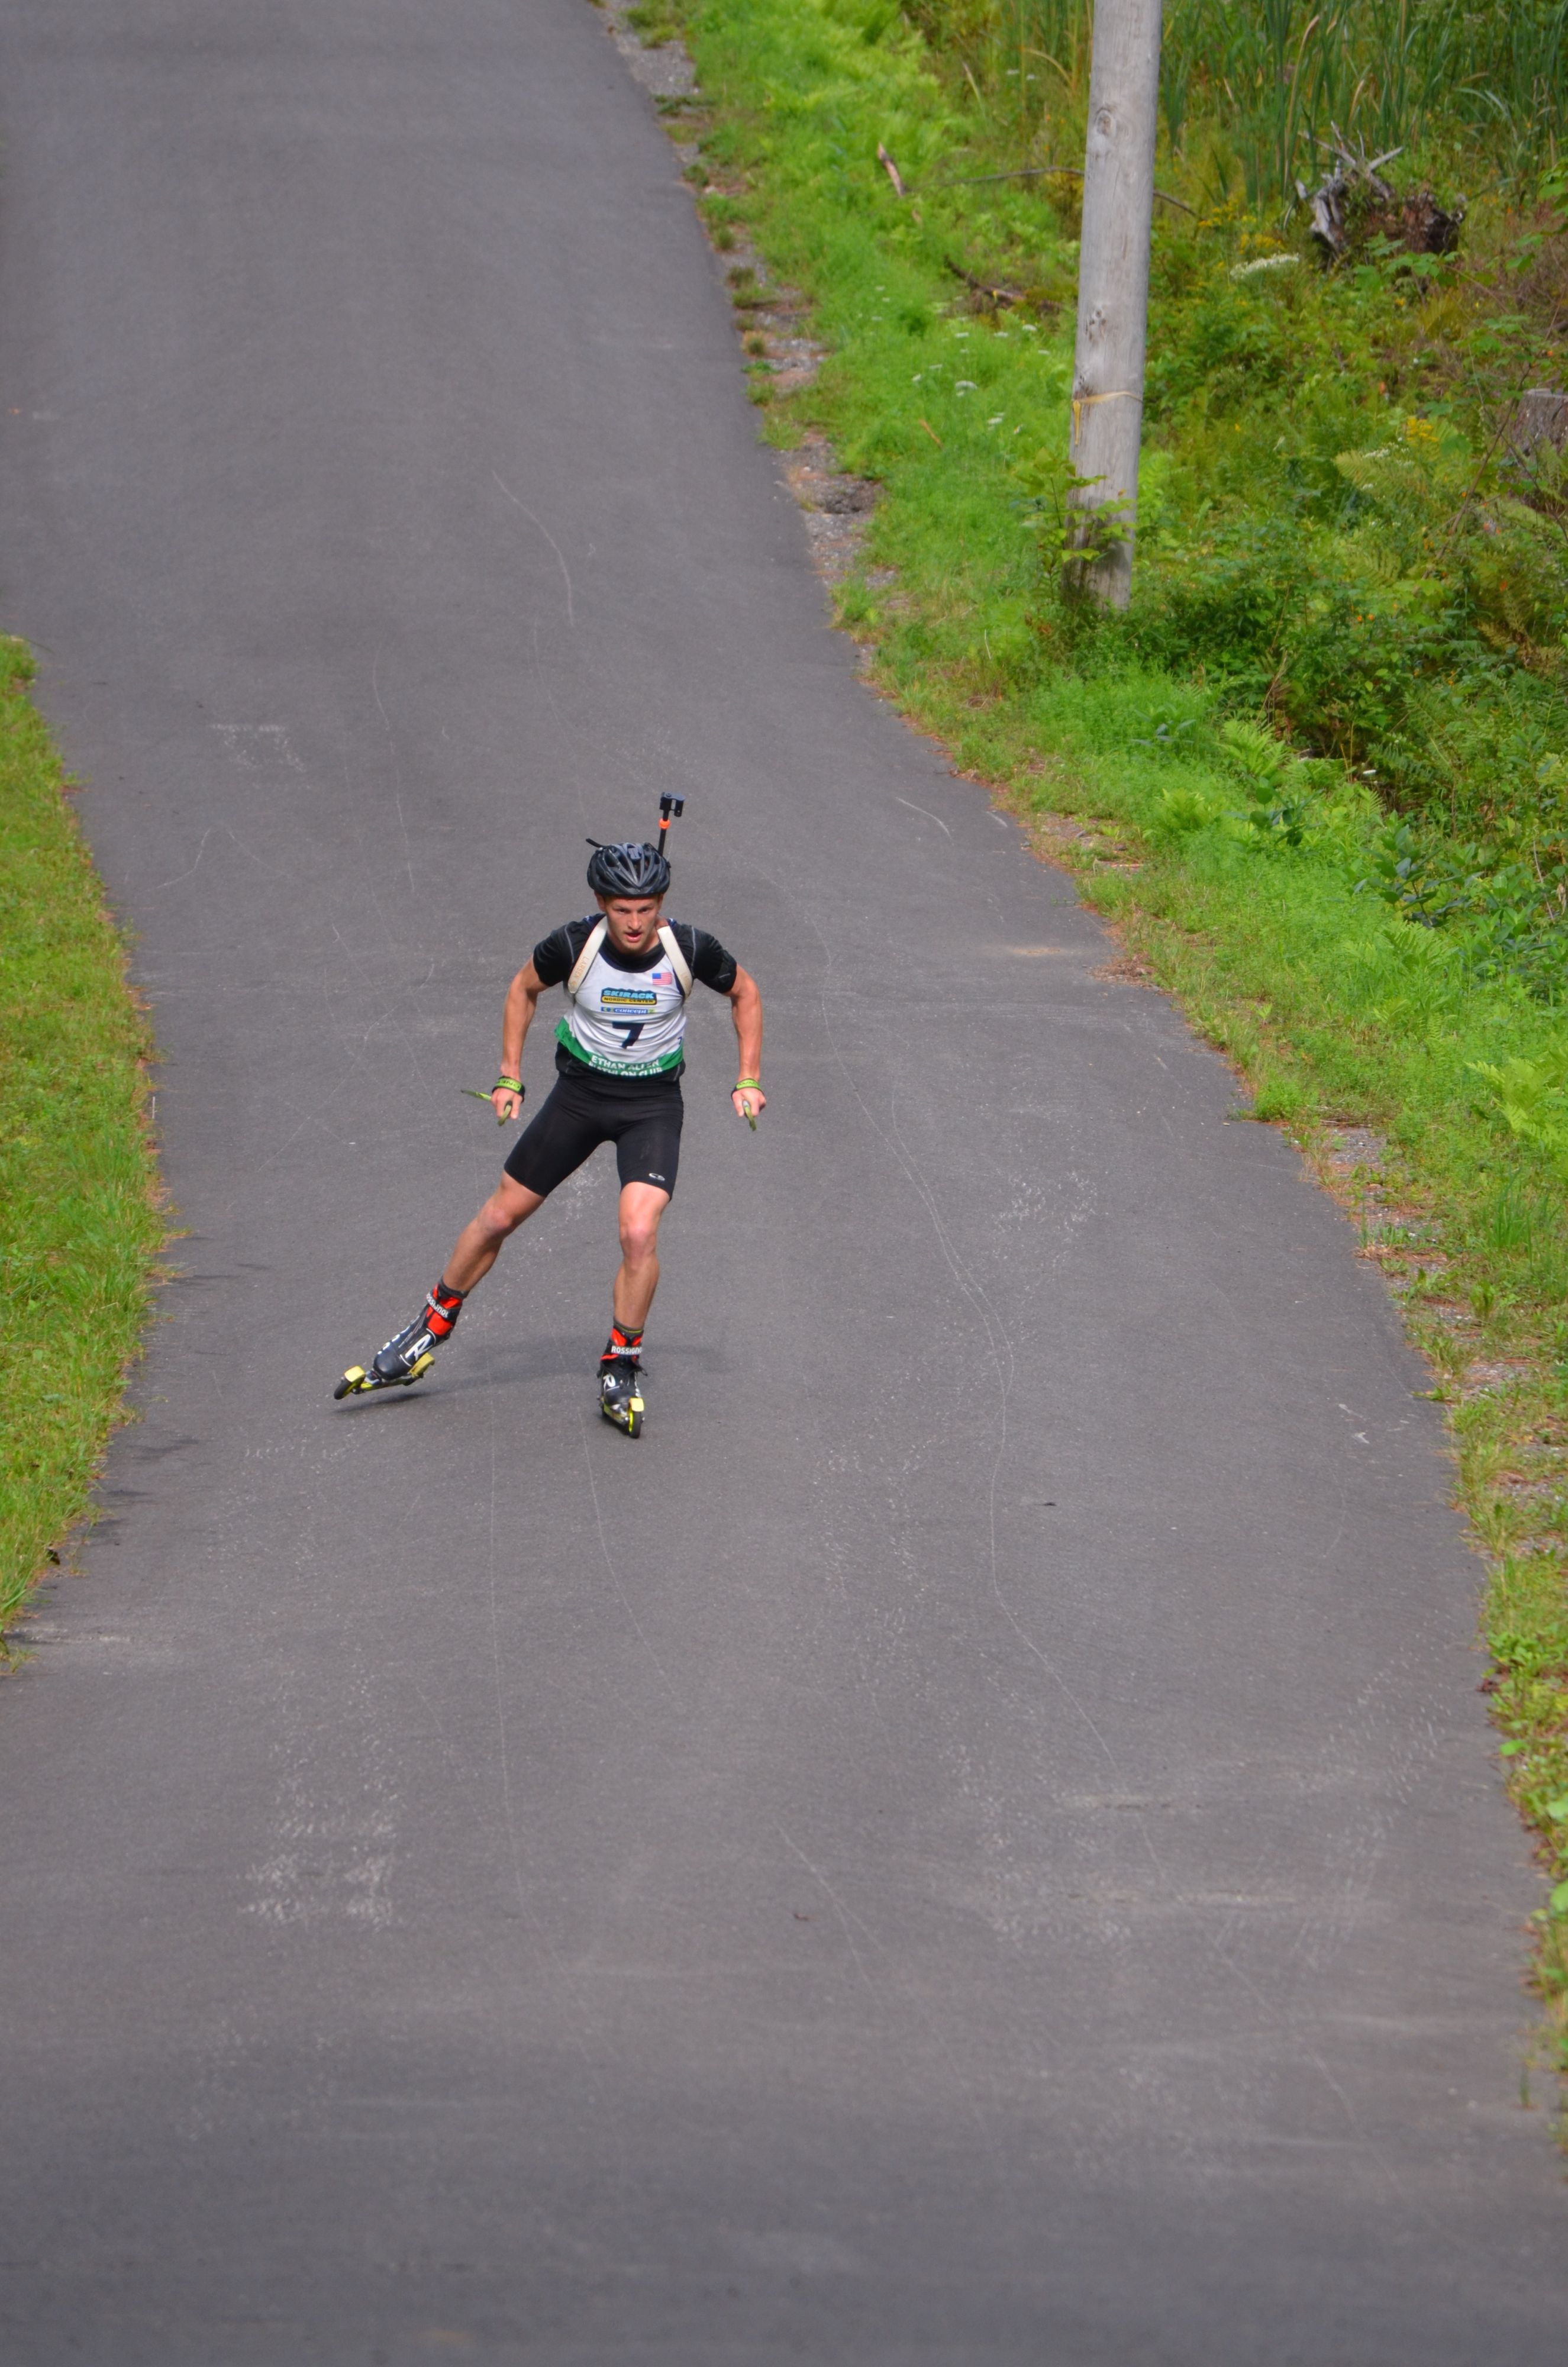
{"points": [[976, 1840]]}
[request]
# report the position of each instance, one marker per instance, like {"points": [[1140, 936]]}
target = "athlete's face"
{"points": [[634, 921]]}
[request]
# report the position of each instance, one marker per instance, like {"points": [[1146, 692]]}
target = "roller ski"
{"points": [[409, 1354], [620, 1381]]}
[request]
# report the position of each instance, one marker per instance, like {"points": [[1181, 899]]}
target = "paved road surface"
{"points": [[976, 1840]]}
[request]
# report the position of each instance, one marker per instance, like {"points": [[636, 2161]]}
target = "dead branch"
{"points": [[1018, 172], [1354, 203]]}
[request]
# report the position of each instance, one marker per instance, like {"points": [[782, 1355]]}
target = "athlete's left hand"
{"points": [[749, 1102]]}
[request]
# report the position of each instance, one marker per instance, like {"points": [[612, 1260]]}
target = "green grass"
{"points": [[1321, 769], [79, 1221]]}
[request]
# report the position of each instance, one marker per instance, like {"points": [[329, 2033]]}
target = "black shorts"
{"points": [[643, 1121]]}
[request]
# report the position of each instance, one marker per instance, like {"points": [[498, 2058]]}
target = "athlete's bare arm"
{"points": [[521, 1002], [746, 1003]]}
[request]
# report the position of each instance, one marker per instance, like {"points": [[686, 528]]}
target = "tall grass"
{"points": [[1271, 76]]}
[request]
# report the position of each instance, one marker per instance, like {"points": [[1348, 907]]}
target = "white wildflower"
{"points": [[1263, 263]]}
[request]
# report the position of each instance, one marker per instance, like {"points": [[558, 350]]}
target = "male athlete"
{"points": [[619, 1064]]}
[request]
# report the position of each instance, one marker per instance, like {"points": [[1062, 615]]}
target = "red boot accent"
{"points": [[441, 1308]]}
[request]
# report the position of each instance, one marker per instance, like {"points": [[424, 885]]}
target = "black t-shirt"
{"points": [[554, 957]]}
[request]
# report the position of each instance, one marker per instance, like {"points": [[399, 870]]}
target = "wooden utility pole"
{"points": [[1114, 291]]}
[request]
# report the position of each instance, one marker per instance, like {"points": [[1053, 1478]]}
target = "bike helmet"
{"points": [[627, 869]]}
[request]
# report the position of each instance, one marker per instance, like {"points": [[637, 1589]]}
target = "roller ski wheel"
{"points": [[358, 1383], [620, 1395]]}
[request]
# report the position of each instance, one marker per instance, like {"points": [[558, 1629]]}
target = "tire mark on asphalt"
{"points": [[997, 1340], [544, 529], [397, 764]]}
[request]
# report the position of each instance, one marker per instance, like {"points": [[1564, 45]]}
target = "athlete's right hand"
{"points": [[506, 1101]]}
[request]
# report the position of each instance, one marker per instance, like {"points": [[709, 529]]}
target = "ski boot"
{"points": [[409, 1353], [620, 1381]]}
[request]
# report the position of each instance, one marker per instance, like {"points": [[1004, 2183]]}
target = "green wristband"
{"points": [[755, 1082], [512, 1084]]}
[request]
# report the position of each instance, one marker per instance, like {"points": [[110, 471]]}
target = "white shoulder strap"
{"points": [[587, 958], [678, 962]]}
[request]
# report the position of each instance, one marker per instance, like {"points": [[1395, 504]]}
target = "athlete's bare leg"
{"points": [[642, 1205], [479, 1243]]}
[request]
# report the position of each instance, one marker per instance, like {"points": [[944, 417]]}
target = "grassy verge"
{"points": [[79, 1224], [1317, 778]]}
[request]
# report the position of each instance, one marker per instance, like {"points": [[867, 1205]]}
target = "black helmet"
{"points": [[627, 870]]}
